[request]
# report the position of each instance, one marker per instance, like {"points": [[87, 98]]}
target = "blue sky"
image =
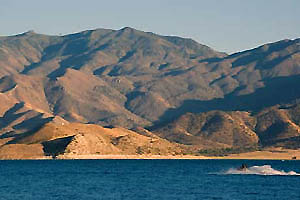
{"points": [[225, 25]]}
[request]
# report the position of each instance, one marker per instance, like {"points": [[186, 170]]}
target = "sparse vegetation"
{"points": [[228, 151]]}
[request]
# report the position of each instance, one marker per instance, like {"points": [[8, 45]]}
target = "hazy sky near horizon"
{"points": [[225, 25]]}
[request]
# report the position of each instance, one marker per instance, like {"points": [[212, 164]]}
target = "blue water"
{"points": [[144, 179]]}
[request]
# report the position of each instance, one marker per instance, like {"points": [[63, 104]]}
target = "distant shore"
{"points": [[257, 155], [142, 157], [272, 154]]}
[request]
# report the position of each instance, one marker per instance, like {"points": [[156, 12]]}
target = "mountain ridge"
{"points": [[130, 78]]}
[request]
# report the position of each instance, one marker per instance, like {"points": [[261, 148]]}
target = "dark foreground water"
{"points": [[148, 179]]}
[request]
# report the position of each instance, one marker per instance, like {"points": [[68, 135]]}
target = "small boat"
{"points": [[243, 167]]}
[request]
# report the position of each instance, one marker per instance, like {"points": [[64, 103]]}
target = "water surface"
{"points": [[147, 179]]}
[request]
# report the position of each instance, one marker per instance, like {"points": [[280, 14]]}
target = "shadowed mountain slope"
{"points": [[275, 125], [92, 76]]}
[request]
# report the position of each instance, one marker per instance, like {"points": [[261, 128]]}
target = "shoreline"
{"points": [[257, 155], [266, 154]]}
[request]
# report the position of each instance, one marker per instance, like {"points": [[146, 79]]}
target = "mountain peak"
{"points": [[127, 28], [28, 33]]}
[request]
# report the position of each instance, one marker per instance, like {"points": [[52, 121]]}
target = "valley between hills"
{"points": [[132, 94]]}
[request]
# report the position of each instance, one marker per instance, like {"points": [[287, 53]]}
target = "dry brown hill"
{"points": [[274, 126], [216, 128], [54, 139]]}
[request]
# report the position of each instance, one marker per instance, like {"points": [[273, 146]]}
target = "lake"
{"points": [[149, 179]]}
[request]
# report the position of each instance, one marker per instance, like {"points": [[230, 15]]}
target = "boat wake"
{"points": [[261, 170]]}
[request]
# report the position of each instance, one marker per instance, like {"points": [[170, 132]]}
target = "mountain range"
{"points": [[182, 93]]}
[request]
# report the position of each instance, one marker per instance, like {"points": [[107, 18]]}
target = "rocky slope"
{"points": [[273, 126], [94, 76]]}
